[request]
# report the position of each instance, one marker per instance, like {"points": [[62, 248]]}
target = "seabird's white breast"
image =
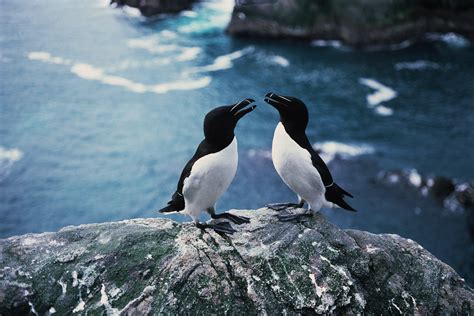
{"points": [[293, 164], [210, 177]]}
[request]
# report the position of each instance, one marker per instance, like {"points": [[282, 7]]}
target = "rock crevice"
{"points": [[152, 266]]}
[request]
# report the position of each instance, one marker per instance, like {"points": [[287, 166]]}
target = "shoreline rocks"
{"points": [[357, 23], [150, 8], [157, 266]]}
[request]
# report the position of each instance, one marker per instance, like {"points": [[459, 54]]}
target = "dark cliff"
{"points": [[154, 7], [354, 22]]}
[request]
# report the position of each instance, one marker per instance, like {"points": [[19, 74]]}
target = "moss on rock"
{"points": [[157, 266]]}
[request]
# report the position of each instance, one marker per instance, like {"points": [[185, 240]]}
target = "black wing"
{"points": [[334, 193], [177, 200]]}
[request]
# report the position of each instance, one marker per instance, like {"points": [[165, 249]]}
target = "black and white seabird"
{"points": [[212, 168], [298, 164]]}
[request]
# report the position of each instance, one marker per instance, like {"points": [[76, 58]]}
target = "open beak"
{"points": [[242, 108], [277, 101]]}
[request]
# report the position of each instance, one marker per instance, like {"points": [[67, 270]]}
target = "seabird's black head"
{"points": [[219, 124], [293, 112]]}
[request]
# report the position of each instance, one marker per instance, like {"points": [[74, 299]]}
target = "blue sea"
{"points": [[100, 109]]}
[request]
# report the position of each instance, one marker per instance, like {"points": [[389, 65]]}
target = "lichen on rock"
{"points": [[157, 266]]}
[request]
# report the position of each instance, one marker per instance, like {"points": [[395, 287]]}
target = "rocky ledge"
{"points": [[153, 7], [157, 266], [354, 22]]}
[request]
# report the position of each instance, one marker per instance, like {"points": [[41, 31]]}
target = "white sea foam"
{"points": [[188, 53], [130, 64], [222, 62], [189, 84], [414, 177], [217, 17], [132, 12], [330, 149], [451, 39], [103, 3], [47, 58], [188, 13], [280, 60], [381, 94], [261, 153], [383, 110], [222, 6], [416, 65], [326, 43], [10, 155], [167, 34], [151, 44], [7, 158], [90, 72]]}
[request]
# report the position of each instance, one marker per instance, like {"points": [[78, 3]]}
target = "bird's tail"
{"points": [[335, 194], [170, 208], [175, 205]]}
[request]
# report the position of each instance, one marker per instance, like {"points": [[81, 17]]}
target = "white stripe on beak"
{"points": [[239, 104], [285, 98]]}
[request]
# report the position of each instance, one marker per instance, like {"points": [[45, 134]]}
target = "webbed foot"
{"points": [[239, 220], [293, 217], [278, 207], [222, 228]]}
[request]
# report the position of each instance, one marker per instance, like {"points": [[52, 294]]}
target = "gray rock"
{"points": [[154, 7], [157, 266], [354, 22]]}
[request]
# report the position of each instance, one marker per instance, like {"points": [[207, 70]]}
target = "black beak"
{"points": [[242, 108], [277, 101]]}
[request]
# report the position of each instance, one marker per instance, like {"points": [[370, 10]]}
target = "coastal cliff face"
{"points": [[157, 266], [354, 22], [154, 7]]}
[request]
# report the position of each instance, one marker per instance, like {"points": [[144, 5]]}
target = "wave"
{"points": [[189, 84], [151, 44], [188, 14], [131, 12], [280, 60], [383, 110], [103, 4], [222, 62], [260, 153], [188, 53], [7, 158], [167, 34], [221, 6], [381, 94], [131, 64], [326, 43], [416, 65], [455, 196], [90, 72], [330, 149], [47, 58], [215, 17], [451, 39]]}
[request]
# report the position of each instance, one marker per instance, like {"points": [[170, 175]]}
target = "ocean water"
{"points": [[100, 109]]}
